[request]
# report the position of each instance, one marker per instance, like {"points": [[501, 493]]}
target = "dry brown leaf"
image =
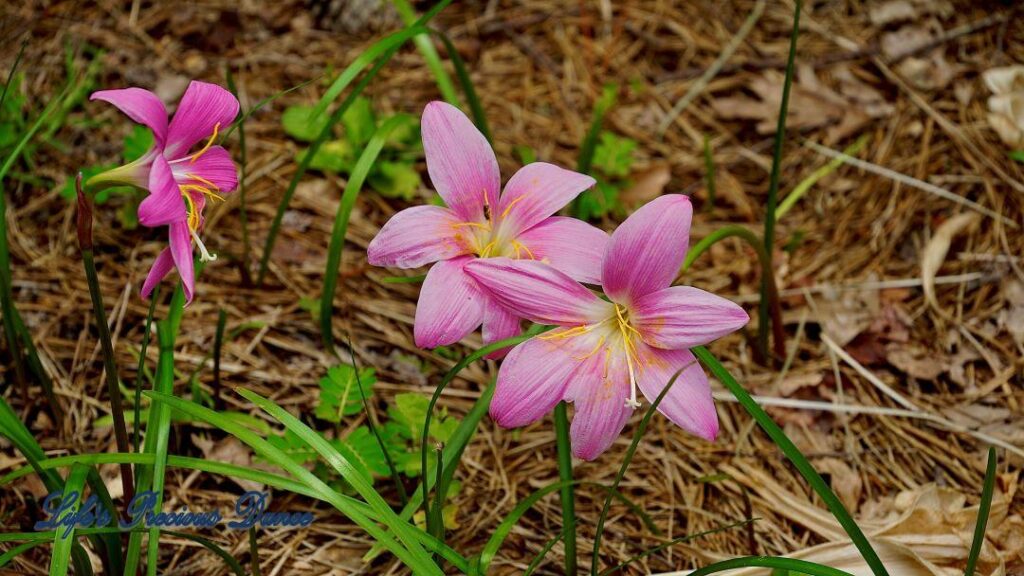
{"points": [[1006, 105], [731, 190], [647, 186], [917, 361], [935, 253], [846, 482], [905, 10], [845, 314], [231, 451]]}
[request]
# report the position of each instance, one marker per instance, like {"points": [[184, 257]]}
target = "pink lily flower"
{"points": [[604, 350], [479, 224], [178, 182]]}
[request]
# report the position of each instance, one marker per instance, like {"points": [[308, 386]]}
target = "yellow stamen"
{"points": [[510, 205], [208, 144], [474, 224], [186, 187], [193, 214], [519, 245], [202, 180], [600, 343]]}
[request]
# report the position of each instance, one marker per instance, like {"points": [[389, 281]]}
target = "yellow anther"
{"points": [[186, 187], [193, 214], [202, 180], [520, 246], [208, 144]]}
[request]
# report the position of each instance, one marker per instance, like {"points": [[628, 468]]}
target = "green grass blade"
{"points": [[254, 553], [640, 430], [237, 124], [709, 172], [64, 539], [395, 476], [430, 55], [493, 544], [567, 493], [535, 563], [609, 94], [773, 185], [243, 163], [158, 429], [361, 484], [18, 550], [799, 461], [140, 370], [983, 512], [218, 343], [381, 51], [801, 189], [794, 566], [340, 227], [673, 542], [404, 279], [475, 107], [324, 492], [212, 546]]}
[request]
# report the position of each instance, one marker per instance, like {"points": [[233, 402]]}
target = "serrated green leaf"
{"points": [[339, 392], [614, 155], [359, 122], [1017, 155], [405, 135], [409, 412], [601, 200], [362, 449], [395, 179], [300, 123], [137, 143], [293, 446]]}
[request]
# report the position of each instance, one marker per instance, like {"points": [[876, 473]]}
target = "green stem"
{"points": [[567, 489], [709, 172], [799, 461], [254, 553], [106, 344], [475, 107], [763, 310], [586, 159], [767, 278], [243, 212], [218, 343], [787, 565], [430, 55]]}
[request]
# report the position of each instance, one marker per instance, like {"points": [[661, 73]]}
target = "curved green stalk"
{"points": [[767, 279], [64, 539], [789, 564], [799, 461], [673, 542], [983, 512], [801, 189], [340, 227]]}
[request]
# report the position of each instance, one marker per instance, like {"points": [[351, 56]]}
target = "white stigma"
{"points": [[631, 402], [204, 254]]}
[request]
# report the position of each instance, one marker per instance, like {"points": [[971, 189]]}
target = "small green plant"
{"points": [[394, 173], [612, 166]]}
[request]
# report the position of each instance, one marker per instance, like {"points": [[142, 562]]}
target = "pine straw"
{"points": [[539, 66]]}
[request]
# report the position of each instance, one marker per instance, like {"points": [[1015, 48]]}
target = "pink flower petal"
{"points": [[460, 161], [600, 406], [531, 381], [164, 204], [417, 236], [450, 305], [537, 292], [180, 240], [535, 192], [688, 403], [163, 264], [141, 106], [569, 245], [647, 250], [499, 324], [684, 317], [203, 107], [214, 166]]}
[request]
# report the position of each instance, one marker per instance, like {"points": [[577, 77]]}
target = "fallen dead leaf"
{"points": [[917, 361], [935, 251], [846, 482], [905, 10], [1006, 105], [231, 451]]}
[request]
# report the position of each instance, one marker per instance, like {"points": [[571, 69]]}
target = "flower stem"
{"points": [[771, 295], [116, 407], [567, 490], [773, 190]]}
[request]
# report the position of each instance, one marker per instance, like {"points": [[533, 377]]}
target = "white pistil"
{"points": [[204, 254], [631, 402]]}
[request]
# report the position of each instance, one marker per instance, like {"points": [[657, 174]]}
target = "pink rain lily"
{"points": [[178, 182], [478, 224], [603, 350]]}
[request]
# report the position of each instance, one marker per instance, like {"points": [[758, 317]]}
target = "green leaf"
{"points": [[137, 143], [334, 156], [614, 155], [395, 179], [409, 414], [359, 122], [363, 451], [68, 191], [404, 134], [601, 200], [1017, 155], [297, 450], [339, 392], [526, 154], [303, 122]]}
